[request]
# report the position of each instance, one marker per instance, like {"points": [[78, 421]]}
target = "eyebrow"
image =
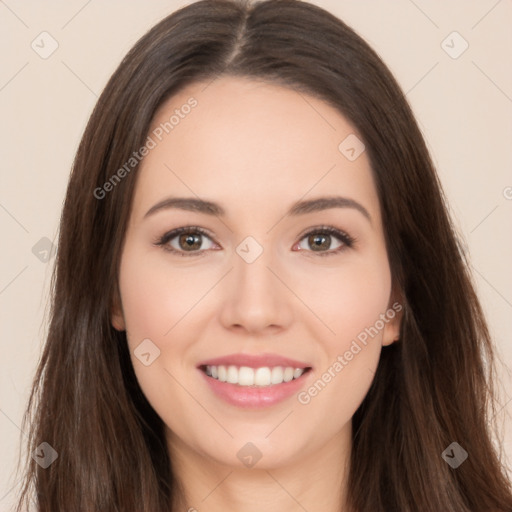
{"points": [[193, 204]]}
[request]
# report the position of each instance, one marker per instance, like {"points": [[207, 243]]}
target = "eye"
{"points": [[321, 241], [189, 239]]}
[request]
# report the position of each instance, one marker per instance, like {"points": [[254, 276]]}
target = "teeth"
{"points": [[262, 376], [222, 374], [245, 376], [297, 373], [232, 375], [277, 375]]}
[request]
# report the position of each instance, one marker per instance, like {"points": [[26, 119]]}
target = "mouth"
{"points": [[259, 377], [253, 381]]}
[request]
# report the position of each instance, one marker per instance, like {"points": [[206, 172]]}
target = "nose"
{"points": [[255, 297]]}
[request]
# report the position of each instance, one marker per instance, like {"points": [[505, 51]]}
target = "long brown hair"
{"points": [[432, 388]]}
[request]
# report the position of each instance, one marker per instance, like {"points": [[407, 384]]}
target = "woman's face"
{"points": [[262, 285]]}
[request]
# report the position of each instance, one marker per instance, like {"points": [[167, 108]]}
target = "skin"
{"points": [[255, 148]]}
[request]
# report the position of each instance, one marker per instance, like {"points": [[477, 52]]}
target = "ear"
{"points": [[116, 312], [393, 315]]}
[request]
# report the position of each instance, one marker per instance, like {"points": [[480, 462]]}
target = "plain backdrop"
{"points": [[451, 58]]}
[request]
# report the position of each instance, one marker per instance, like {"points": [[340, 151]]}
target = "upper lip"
{"points": [[254, 361]]}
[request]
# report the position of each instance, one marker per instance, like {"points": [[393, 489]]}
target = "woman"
{"points": [[259, 298]]}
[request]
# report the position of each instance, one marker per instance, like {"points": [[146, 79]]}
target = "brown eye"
{"points": [[325, 241], [186, 241], [189, 241], [319, 242]]}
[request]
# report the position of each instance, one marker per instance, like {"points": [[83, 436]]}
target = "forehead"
{"points": [[248, 143]]}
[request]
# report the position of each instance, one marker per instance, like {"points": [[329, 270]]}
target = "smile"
{"points": [[258, 377]]}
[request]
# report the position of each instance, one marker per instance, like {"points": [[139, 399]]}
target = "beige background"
{"points": [[463, 105]]}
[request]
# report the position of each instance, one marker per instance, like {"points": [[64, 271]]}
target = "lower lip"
{"points": [[255, 397]]}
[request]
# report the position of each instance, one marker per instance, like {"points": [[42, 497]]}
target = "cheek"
{"points": [[164, 304], [352, 302], [348, 299], [156, 302], [156, 298]]}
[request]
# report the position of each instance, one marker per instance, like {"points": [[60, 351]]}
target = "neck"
{"points": [[314, 482]]}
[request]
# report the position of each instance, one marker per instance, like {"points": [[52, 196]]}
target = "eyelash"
{"points": [[347, 240]]}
